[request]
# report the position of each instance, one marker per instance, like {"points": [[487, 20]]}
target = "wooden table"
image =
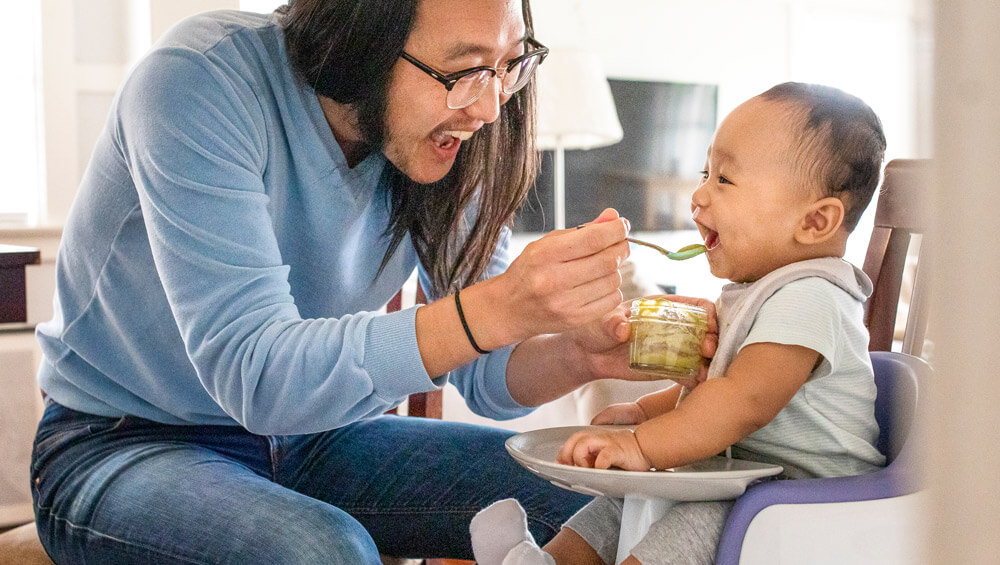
{"points": [[13, 291]]}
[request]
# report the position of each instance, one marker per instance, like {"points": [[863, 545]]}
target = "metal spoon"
{"points": [[686, 252]]}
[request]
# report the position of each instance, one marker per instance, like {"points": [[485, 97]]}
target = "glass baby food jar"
{"points": [[665, 337]]}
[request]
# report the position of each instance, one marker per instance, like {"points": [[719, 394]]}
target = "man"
{"points": [[216, 368]]}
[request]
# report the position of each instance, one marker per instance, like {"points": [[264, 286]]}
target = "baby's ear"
{"points": [[821, 221]]}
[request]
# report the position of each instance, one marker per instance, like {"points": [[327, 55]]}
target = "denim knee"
{"points": [[318, 533]]}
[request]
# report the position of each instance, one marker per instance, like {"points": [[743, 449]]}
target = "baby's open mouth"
{"points": [[712, 239], [448, 139]]}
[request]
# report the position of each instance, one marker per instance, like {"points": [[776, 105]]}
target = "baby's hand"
{"points": [[624, 413], [603, 449]]}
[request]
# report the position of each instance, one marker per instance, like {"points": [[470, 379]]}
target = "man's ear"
{"points": [[821, 221]]}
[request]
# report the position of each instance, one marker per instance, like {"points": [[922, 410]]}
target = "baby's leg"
{"points": [[687, 535], [568, 547], [500, 536], [597, 525]]}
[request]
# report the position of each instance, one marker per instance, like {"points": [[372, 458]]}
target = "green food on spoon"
{"points": [[686, 252]]}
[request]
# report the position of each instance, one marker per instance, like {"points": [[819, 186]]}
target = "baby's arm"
{"points": [[762, 379], [759, 383], [607, 448], [648, 406]]}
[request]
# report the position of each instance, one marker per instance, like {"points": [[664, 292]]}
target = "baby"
{"points": [[787, 176]]}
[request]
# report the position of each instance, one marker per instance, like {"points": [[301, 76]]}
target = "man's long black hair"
{"points": [[346, 50]]}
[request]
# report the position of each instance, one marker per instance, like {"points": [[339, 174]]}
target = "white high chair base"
{"points": [[865, 532], [648, 495]]}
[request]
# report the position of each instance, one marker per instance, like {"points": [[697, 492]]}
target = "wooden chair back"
{"points": [[900, 216]]}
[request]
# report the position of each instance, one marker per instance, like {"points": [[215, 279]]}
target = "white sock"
{"points": [[528, 553], [497, 530]]}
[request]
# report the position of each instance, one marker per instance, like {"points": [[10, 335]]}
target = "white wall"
{"points": [[865, 47]]}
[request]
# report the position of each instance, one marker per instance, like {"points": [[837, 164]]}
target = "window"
{"points": [[20, 144]]}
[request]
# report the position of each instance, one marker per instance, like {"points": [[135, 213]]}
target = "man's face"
{"points": [[423, 135]]}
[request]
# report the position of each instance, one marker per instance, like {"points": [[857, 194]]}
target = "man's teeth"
{"points": [[461, 135]]}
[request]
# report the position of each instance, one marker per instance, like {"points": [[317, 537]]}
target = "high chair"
{"points": [[647, 496]]}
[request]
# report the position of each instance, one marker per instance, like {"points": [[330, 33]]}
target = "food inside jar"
{"points": [[665, 337]]}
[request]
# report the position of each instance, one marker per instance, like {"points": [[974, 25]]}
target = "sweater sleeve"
{"points": [[483, 383], [192, 134]]}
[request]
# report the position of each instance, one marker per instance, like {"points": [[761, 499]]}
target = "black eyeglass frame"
{"points": [[450, 79]]}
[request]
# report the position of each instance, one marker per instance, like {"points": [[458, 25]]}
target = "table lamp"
{"points": [[575, 111]]}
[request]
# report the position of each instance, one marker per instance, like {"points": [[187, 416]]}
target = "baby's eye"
{"points": [[704, 174], [723, 180]]}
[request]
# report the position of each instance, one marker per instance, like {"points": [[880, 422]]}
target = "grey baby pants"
{"points": [[687, 535]]}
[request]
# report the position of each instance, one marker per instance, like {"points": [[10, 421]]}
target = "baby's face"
{"points": [[750, 199]]}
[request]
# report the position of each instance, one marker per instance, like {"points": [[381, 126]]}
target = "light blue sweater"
{"points": [[219, 263]]}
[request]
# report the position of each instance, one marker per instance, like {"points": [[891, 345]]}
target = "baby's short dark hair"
{"points": [[842, 144]]}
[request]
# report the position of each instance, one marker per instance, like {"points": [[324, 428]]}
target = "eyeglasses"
{"points": [[465, 87]]}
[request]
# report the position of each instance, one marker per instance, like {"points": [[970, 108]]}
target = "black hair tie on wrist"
{"points": [[465, 325]]}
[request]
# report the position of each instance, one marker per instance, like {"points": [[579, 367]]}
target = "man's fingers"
{"points": [[598, 289], [609, 214], [606, 215], [588, 239]]}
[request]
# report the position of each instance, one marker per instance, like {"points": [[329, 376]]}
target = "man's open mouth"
{"points": [[448, 139]]}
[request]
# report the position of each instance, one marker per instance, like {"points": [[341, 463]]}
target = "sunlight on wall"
{"points": [[20, 150]]}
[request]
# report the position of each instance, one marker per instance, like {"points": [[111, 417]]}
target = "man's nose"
{"points": [[487, 107]]}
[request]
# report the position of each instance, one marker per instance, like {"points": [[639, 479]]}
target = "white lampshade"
{"points": [[575, 107], [575, 111]]}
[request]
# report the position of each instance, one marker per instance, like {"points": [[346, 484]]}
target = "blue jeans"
{"points": [[123, 490]]}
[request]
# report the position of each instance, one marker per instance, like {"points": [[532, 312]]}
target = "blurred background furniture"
{"points": [[19, 543], [20, 546], [575, 111], [656, 187], [897, 258], [13, 293]]}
